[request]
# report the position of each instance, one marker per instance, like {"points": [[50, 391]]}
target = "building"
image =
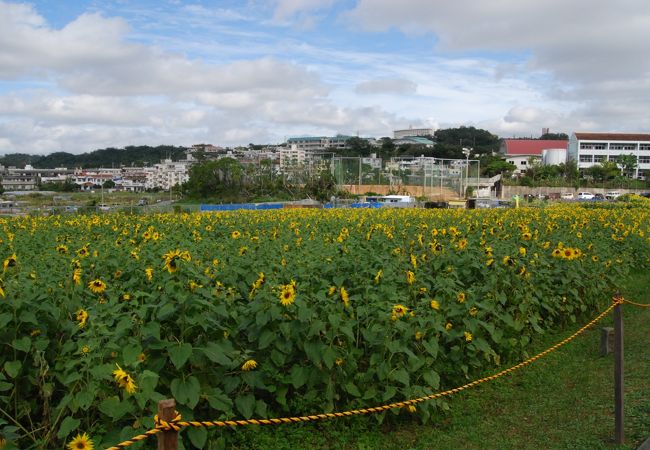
{"points": [[414, 140], [589, 149], [319, 143], [30, 179], [167, 174], [412, 132], [520, 151]]}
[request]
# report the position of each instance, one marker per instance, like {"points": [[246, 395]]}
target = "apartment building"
{"points": [[412, 132], [589, 149], [167, 174]]}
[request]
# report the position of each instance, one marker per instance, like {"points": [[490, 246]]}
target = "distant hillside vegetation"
{"points": [[107, 157]]}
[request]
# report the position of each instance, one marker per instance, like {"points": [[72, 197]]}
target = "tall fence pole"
{"points": [[619, 432], [167, 440]]}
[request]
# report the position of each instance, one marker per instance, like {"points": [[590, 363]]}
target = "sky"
{"points": [[80, 75]]}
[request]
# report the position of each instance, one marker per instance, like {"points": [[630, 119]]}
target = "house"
{"points": [[520, 151]]}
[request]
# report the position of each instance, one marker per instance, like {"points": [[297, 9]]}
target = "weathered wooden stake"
{"points": [[167, 440], [619, 432]]}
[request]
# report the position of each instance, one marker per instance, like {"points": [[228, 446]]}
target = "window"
{"points": [[622, 146], [592, 146], [613, 158], [644, 147], [586, 158], [644, 159], [599, 158]]}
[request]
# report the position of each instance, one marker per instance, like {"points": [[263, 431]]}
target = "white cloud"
{"points": [[286, 9], [386, 86]]}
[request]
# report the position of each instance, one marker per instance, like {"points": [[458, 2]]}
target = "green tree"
{"points": [[481, 141], [209, 178], [604, 171], [356, 146], [499, 166], [555, 136], [627, 164]]}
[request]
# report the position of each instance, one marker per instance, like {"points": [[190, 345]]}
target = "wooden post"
{"points": [[167, 440], [619, 432]]}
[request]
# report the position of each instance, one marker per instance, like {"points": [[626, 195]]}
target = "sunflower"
{"points": [[9, 262], [149, 273], [171, 260], [331, 291], [83, 252], [124, 380], [410, 277], [97, 286], [62, 249], [82, 317], [414, 261], [460, 297], [76, 276], [468, 336], [399, 310], [378, 276], [249, 365], [288, 294], [81, 442], [259, 282], [235, 234], [345, 297], [434, 304], [557, 253]]}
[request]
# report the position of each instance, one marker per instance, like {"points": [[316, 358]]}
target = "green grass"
{"points": [[563, 401]]}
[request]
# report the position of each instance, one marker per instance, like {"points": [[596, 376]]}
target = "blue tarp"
{"points": [[237, 206]]}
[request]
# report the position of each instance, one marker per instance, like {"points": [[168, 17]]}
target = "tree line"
{"points": [[132, 155]]}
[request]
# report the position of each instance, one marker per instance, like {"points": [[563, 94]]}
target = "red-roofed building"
{"points": [[519, 151]]}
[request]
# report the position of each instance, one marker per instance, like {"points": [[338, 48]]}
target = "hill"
{"points": [[108, 157]]}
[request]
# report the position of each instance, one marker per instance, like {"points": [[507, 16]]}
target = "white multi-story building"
{"points": [[167, 174], [589, 149], [319, 143], [292, 156], [411, 132]]}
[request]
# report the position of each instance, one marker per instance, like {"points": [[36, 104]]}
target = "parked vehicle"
{"points": [[599, 197], [103, 207], [71, 209], [612, 195], [143, 202], [585, 196], [567, 196]]}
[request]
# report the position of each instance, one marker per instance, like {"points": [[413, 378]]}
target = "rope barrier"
{"points": [[177, 424], [642, 305]]}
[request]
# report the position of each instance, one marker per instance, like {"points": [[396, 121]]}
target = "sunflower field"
{"points": [[287, 312]]}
